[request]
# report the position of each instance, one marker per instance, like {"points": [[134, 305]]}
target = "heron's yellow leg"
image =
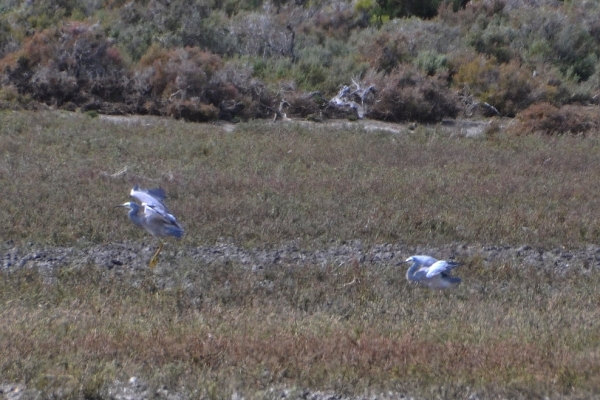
{"points": [[154, 259]]}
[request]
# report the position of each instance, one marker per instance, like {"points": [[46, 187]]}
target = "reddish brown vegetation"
{"points": [[547, 119], [406, 94]]}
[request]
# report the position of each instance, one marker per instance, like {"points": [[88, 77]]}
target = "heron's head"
{"points": [[129, 205]]}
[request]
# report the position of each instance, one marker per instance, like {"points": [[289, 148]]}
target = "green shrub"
{"points": [[558, 37], [431, 62], [575, 52], [508, 87], [492, 37], [210, 30], [7, 40]]}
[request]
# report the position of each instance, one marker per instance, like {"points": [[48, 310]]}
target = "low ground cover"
{"points": [[219, 328]]}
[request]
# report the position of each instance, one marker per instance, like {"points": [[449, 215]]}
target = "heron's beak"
{"points": [[121, 205]]}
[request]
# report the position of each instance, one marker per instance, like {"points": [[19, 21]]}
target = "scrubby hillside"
{"points": [[208, 59]]}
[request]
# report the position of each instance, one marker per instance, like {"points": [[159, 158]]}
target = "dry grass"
{"points": [[350, 328], [266, 184], [521, 332]]}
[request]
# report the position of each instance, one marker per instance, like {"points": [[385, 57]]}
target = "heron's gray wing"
{"points": [[423, 270], [440, 267], [151, 197], [161, 223], [157, 193], [420, 275], [441, 281]]}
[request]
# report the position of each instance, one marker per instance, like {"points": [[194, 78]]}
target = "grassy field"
{"points": [[354, 328], [61, 175]]}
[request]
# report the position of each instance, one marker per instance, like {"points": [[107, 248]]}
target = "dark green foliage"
{"points": [[492, 37], [7, 42], [575, 51], [413, 8], [408, 8], [431, 63]]}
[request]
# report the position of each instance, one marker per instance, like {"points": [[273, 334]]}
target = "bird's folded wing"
{"points": [[153, 212], [157, 217], [437, 268]]}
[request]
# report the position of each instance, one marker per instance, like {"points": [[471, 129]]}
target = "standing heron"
{"points": [[432, 273], [155, 219]]}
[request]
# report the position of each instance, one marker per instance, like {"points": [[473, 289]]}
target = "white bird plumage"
{"points": [[430, 272], [152, 197], [156, 219]]}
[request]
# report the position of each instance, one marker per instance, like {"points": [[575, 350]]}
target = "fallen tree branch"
{"points": [[349, 99]]}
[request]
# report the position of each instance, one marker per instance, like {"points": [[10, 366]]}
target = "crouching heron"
{"points": [[152, 216], [432, 273]]}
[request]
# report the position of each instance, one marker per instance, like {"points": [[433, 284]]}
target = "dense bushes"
{"points": [[238, 60], [407, 95], [546, 119], [509, 87], [70, 64]]}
